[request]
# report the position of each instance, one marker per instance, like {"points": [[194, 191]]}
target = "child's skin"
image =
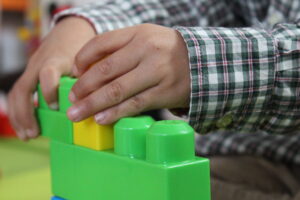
{"points": [[121, 73]]}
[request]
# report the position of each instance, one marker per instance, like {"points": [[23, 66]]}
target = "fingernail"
{"points": [[72, 97], [73, 113], [31, 133], [100, 117], [53, 106], [22, 135]]}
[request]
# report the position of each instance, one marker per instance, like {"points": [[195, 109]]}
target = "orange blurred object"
{"points": [[14, 5]]}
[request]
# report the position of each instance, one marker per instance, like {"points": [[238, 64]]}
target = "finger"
{"points": [[49, 78], [22, 107], [12, 118], [104, 71], [113, 93], [131, 107], [25, 115], [100, 46]]}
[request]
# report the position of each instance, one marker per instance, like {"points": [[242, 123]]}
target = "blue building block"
{"points": [[57, 198]]}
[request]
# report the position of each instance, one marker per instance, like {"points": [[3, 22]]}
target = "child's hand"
{"points": [[133, 70], [54, 58]]}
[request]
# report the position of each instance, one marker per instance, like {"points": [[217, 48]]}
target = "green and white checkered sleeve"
{"points": [[108, 15], [284, 109], [234, 73]]}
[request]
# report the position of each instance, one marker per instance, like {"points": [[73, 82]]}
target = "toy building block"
{"points": [[54, 123], [150, 160], [62, 168], [42, 102], [65, 85], [148, 163], [6, 129], [88, 133], [130, 136]]}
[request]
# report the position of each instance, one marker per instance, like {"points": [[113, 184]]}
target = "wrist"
{"points": [[76, 24]]}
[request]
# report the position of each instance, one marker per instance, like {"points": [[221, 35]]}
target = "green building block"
{"points": [[65, 86], [62, 168], [163, 174], [55, 125], [42, 102], [130, 137], [151, 160]]}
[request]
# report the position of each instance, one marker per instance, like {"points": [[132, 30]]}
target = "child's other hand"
{"points": [[133, 70], [54, 58]]}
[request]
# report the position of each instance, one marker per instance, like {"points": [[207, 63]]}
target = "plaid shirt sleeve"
{"points": [[244, 79], [108, 15], [247, 79]]}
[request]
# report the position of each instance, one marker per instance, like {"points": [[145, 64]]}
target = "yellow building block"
{"points": [[88, 133]]}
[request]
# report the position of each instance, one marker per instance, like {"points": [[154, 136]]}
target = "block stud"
{"points": [[130, 136], [42, 102], [65, 86], [170, 141]]}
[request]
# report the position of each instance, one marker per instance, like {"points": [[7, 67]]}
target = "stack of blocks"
{"points": [[136, 159]]}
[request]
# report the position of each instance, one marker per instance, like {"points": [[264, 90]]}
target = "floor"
{"points": [[24, 170]]}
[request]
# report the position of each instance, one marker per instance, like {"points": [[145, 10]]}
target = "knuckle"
{"points": [[153, 44], [46, 90], [115, 113], [79, 87], [105, 67], [46, 71], [86, 104], [137, 103], [79, 59], [51, 63], [114, 92]]}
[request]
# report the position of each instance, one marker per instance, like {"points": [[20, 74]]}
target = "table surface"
{"points": [[24, 170]]}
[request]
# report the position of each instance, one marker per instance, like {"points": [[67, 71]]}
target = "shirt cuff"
{"points": [[101, 15], [109, 15], [232, 77]]}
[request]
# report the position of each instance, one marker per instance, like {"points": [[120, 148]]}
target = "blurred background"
{"points": [[24, 167]]}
